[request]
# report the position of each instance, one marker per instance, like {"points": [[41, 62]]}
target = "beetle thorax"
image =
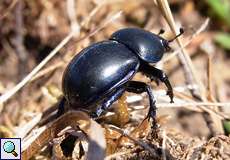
{"points": [[146, 45]]}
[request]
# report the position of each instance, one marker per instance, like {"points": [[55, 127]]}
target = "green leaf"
{"points": [[221, 8], [226, 125], [223, 39]]}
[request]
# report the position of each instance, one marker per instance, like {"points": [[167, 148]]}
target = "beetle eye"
{"points": [[168, 49], [166, 45]]}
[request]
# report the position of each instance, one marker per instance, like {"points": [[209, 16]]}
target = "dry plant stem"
{"points": [[203, 105], [47, 70], [195, 104], [21, 84], [25, 129], [183, 96], [215, 125], [190, 73], [210, 71], [19, 38], [199, 30], [183, 56], [211, 124], [164, 6], [138, 142], [209, 74], [60, 64]]}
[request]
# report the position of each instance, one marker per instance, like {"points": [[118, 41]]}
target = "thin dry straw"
{"points": [[21, 84], [200, 29], [15, 89]]}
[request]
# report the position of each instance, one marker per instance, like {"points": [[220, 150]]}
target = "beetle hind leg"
{"points": [[140, 87], [108, 102], [61, 107]]}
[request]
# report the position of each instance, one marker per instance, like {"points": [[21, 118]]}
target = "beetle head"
{"points": [[166, 43]]}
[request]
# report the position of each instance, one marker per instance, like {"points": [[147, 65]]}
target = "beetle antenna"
{"points": [[181, 32]]}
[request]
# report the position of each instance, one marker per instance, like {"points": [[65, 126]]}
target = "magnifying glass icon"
{"points": [[9, 147]]}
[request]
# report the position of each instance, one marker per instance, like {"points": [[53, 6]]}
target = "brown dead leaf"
{"points": [[33, 143]]}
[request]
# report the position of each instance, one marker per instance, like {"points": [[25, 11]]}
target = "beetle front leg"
{"points": [[61, 107], [154, 72]]}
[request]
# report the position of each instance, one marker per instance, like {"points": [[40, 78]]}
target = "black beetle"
{"points": [[100, 73]]}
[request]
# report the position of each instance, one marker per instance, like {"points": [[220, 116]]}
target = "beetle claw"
{"points": [[156, 80], [170, 94], [153, 119]]}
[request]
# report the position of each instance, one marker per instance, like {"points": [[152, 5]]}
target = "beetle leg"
{"points": [[61, 107], [154, 72], [140, 87], [108, 102]]}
